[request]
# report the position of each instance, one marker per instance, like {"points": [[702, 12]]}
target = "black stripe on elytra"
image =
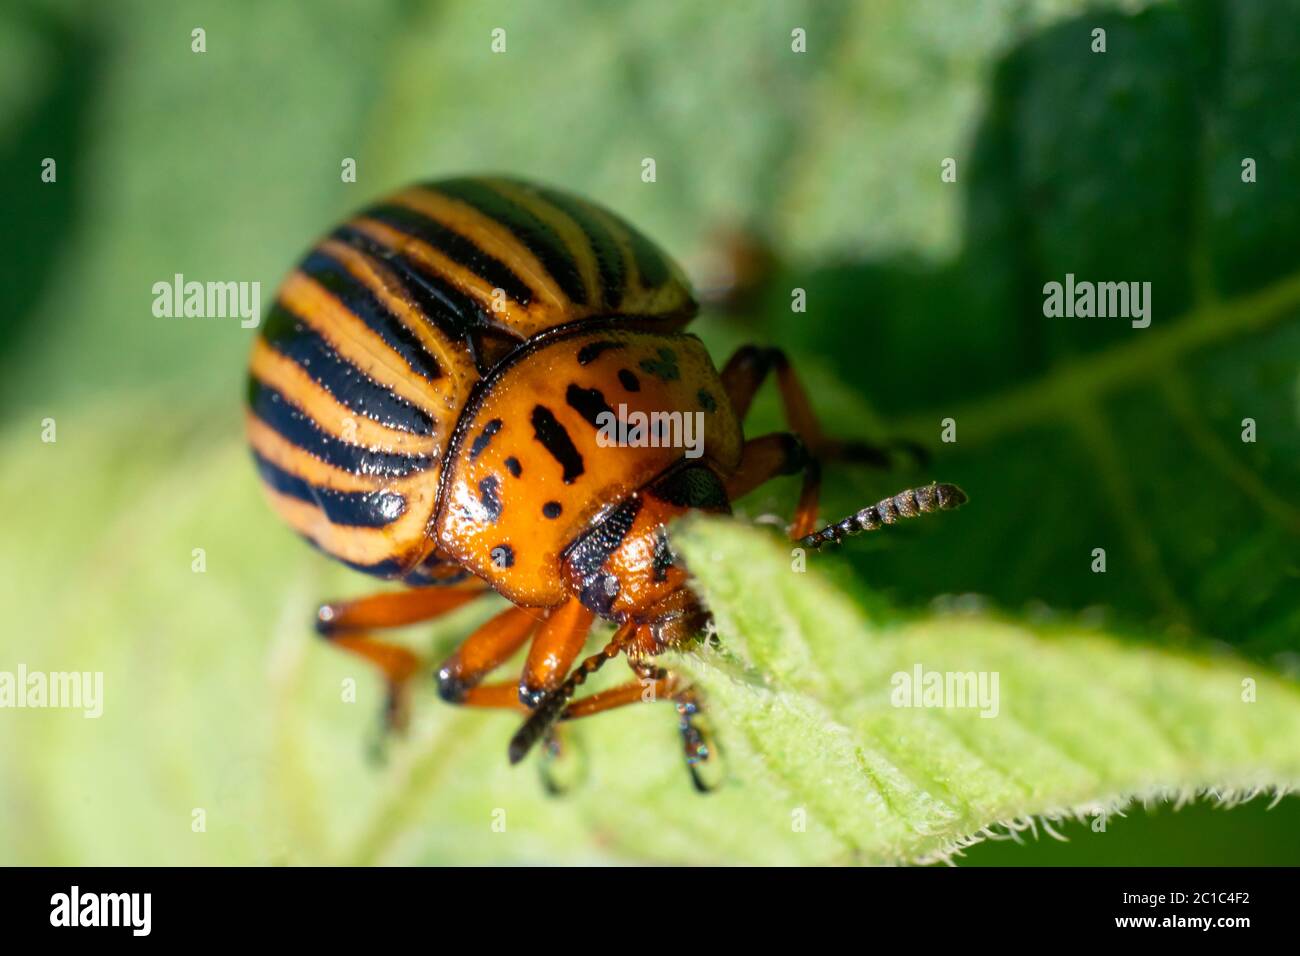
{"points": [[555, 439], [629, 380], [452, 312], [297, 427], [589, 403], [388, 568], [352, 388], [484, 438], [592, 350], [357, 509], [422, 576], [539, 238], [650, 262], [364, 304], [455, 247], [609, 256]]}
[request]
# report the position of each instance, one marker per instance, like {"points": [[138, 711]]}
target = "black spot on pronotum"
{"points": [[707, 401], [513, 466], [629, 380], [484, 438], [589, 403], [490, 498], [592, 350], [662, 366], [503, 556], [555, 439], [552, 509]]}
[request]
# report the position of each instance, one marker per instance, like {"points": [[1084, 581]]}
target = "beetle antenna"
{"points": [[906, 504], [551, 708]]}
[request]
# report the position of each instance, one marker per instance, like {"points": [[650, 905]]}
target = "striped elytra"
{"points": [[429, 401], [394, 333]]}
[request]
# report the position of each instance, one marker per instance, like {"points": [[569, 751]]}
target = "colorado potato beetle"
{"points": [[427, 400]]}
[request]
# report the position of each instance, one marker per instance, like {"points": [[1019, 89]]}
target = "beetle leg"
{"points": [[500, 695], [557, 644], [779, 453], [749, 367], [742, 376], [661, 686], [551, 707], [347, 624], [563, 763], [490, 646], [703, 758], [653, 684], [764, 458]]}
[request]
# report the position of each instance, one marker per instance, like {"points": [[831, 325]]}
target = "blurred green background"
{"points": [[924, 303]]}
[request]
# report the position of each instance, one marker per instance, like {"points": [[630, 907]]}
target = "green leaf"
{"points": [[1175, 448], [816, 710], [218, 697], [1069, 438]]}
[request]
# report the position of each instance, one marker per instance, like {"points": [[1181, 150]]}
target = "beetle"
{"points": [[426, 402]]}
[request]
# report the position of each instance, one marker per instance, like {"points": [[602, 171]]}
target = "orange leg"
{"points": [[779, 453], [654, 683], [762, 459], [745, 373], [550, 708], [742, 376], [561, 765], [347, 624], [484, 651], [749, 367], [556, 646], [647, 691], [503, 695]]}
